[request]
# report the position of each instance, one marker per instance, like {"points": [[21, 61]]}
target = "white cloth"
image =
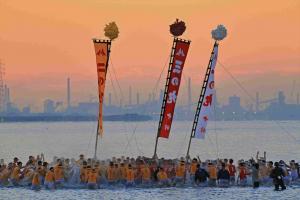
{"points": [[208, 101]]}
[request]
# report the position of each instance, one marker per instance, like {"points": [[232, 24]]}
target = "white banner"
{"points": [[208, 101]]}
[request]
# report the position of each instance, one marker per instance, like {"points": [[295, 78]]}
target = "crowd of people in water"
{"points": [[90, 173]]}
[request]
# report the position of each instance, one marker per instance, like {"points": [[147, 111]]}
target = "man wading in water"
{"points": [[277, 174], [255, 175]]}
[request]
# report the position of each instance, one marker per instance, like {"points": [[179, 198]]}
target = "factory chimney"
{"points": [[257, 102], [130, 96], [68, 92]]}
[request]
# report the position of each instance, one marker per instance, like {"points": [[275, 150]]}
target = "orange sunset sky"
{"points": [[42, 42]]}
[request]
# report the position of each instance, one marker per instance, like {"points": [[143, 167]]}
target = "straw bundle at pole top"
{"points": [[177, 28], [111, 30], [219, 33]]}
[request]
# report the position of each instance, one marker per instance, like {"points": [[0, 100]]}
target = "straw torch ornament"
{"points": [[102, 51], [177, 28], [219, 33], [111, 30]]}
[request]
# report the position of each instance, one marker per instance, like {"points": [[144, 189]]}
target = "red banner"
{"points": [[180, 53]]}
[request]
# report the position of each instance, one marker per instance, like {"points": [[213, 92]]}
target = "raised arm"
{"points": [[42, 157]]}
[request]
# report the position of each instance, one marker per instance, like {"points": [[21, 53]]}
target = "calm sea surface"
{"points": [[281, 140]]}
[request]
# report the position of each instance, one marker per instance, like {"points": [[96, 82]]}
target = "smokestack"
{"points": [[7, 94], [6, 97], [130, 96], [257, 102], [68, 92], [137, 98], [153, 97], [189, 94], [281, 98], [149, 97], [298, 98], [109, 99]]}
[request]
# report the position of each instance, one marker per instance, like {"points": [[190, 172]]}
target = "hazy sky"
{"points": [[42, 42]]}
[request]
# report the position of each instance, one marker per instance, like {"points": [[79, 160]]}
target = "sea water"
{"points": [[234, 139]]}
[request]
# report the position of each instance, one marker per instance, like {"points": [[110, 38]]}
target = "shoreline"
{"points": [[73, 118]]}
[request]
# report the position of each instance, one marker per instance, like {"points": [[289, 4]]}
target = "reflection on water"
{"points": [[224, 139]]}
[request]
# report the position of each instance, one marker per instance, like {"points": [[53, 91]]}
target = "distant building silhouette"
{"points": [[256, 102], [130, 96], [68, 93], [26, 110], [281, 98], [49, 106], [87, 108], [232, 111], [280, 110], [2, 95], [275, 108], [6, 98], [234, 102]]}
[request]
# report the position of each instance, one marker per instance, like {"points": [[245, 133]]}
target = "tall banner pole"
{"points": [[207, 95], [96, 143], [165, 96], [201, 98], [102, 51], [178, 55], [179, 52]]}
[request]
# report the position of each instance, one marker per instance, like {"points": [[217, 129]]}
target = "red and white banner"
{"points": [[180, 53], [209, 98]]}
